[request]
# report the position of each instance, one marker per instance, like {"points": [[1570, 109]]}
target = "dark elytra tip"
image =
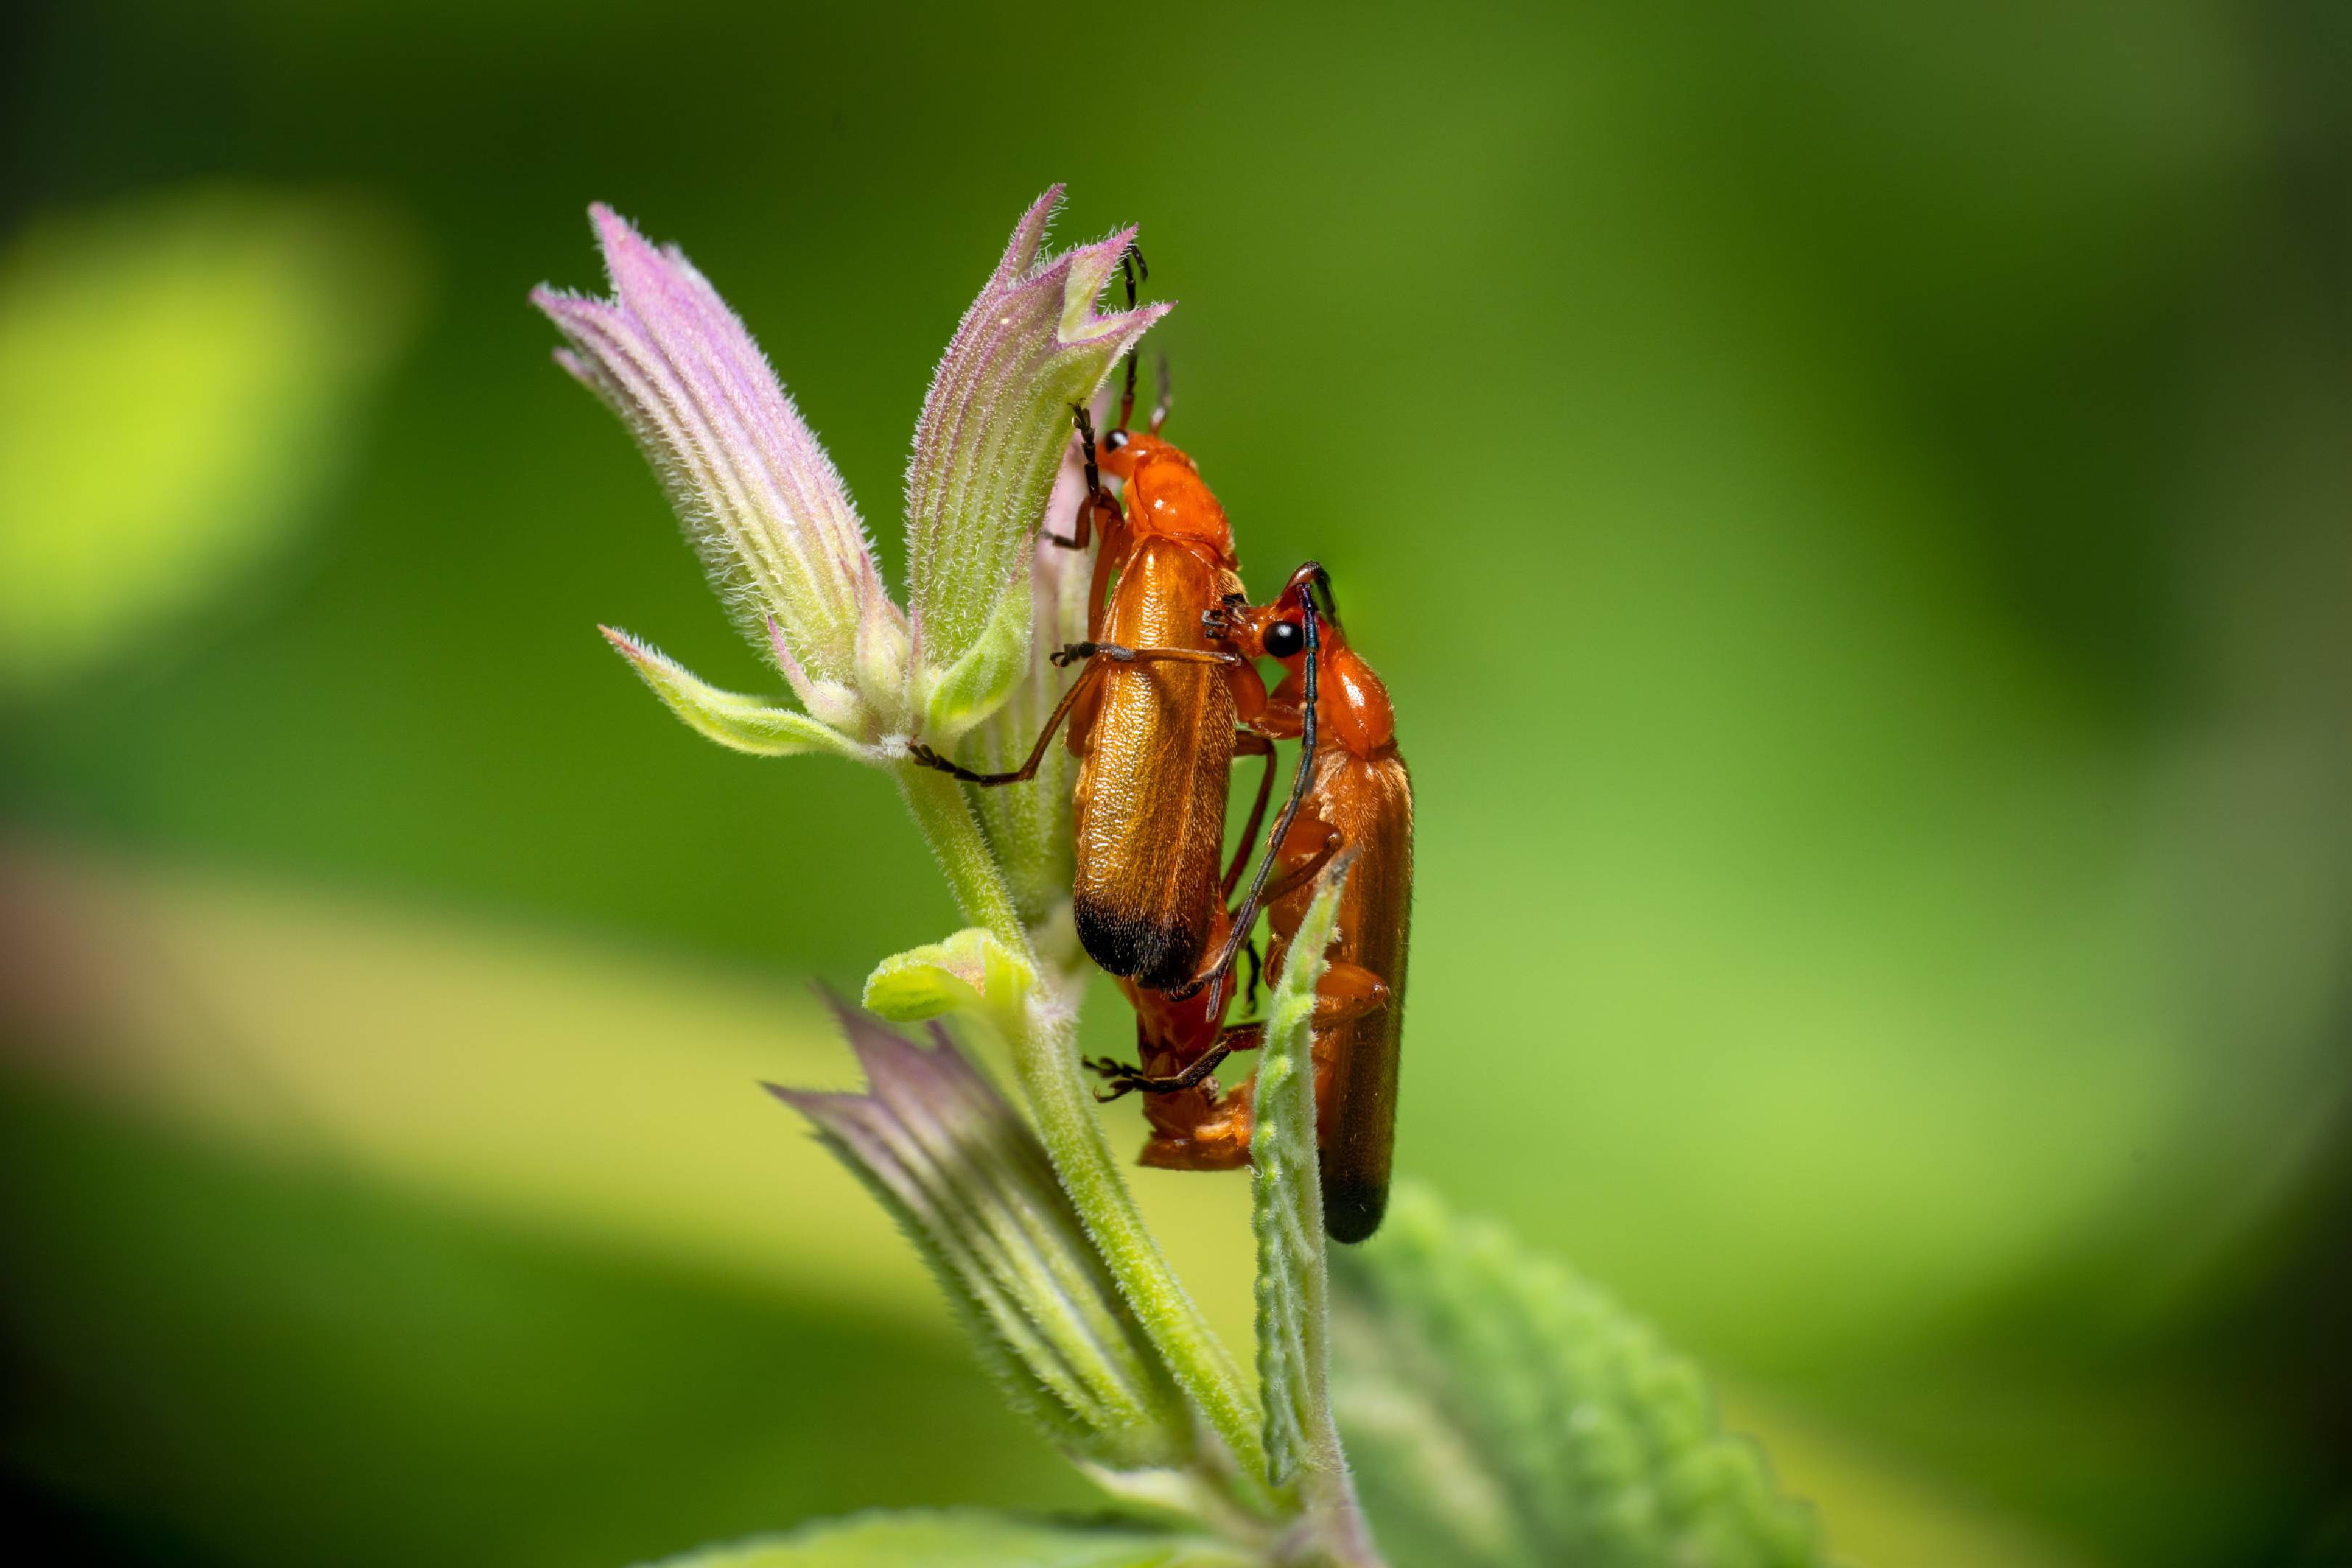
{"points": [[1353, 1210], [1159, 954]]}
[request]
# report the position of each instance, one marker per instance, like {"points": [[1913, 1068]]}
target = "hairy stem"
{"points": [[1294, 1284], [938, 803], [1045, 1060], [1329, 1494]]}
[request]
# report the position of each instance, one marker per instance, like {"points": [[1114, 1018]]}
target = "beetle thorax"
{"points": [[1168, 497], [1354, 702]]}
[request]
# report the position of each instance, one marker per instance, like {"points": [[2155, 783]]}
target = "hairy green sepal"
{"points": [[955, 699], [739, 722]]}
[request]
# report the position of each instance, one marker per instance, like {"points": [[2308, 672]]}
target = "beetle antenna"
{"points": [[1137, 272], [1322, 581]]}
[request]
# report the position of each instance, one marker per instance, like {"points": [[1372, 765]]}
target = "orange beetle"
{"points": [[1357, 795]]}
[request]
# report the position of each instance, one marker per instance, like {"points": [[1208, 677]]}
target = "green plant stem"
{"points": [[938, 805], [1045, 1060], [1329, 1493]]}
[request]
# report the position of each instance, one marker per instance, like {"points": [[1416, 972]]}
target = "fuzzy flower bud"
{"points": [[755, 491], [969, 1182], [994, 430]]}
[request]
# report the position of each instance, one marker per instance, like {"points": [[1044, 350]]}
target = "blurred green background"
{"points": [[1850, 501]]}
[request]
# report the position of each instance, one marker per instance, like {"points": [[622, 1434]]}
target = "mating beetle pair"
{"points": [[1167, 697]]}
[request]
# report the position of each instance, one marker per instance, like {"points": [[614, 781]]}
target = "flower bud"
{"points": [[967, 1179], [754, 489], [994, 430]]}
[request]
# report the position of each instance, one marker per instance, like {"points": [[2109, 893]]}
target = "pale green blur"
{"points": [[176, 372]]}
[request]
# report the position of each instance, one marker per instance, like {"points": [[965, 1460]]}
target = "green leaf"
{"points": [[971, 971], [742, 723], [964, 1539], [1501, 1411]]}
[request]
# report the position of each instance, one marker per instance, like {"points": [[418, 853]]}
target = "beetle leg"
{"points": [[1097, 498], [1070, 653], [1099, 656], [1298, 876], [1082, 528], [1226, 619], [1121, 1075], [929, 758], [1082, 531], [1125, 1078], [1348, 992]]}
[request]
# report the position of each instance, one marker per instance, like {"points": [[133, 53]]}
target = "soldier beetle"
{"points": [[1358, 795], [1155, 715]]}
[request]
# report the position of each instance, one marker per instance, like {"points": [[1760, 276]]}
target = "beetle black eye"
{"points": [[1113, 440], [1285, 639]]}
